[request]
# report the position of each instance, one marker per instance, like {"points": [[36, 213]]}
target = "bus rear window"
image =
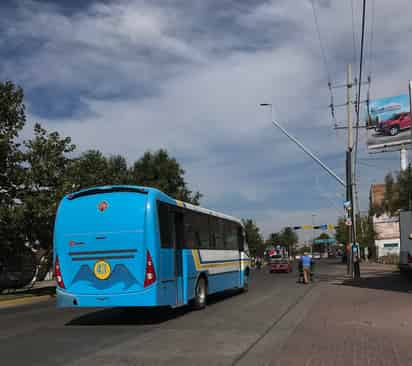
{"points": [[94, 191]]}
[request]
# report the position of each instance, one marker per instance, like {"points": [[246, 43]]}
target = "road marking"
{"points": [[23, 301]]}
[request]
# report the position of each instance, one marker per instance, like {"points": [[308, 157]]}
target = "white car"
{"points": [[316, 255]]}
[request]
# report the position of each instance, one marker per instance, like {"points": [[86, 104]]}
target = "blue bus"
{"points": [[136, 246]]}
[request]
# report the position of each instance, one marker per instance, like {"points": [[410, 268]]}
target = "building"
{"points": [[386, 227]]}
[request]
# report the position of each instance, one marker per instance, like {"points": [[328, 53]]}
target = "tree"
{"points": [[255, 240], [404, 185], [12, 120], [118, 170], [274, 239], [161, 171], [90, 169], [364, 229], [289, 238], [47, 162], [342, 230]]}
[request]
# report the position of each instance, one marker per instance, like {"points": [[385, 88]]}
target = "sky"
{"points": [[127, 76]]}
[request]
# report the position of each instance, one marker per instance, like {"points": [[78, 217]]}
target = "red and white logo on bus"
{"points": [[102, 206]]}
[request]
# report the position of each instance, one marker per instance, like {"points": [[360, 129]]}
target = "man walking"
{"points": [[306, 264]]}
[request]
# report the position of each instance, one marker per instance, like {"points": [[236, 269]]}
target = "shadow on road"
{"points": [[392, 281], [128, 316], [142, 315]]}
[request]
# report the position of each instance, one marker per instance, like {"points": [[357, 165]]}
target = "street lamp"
{"points": [[303, 147]]}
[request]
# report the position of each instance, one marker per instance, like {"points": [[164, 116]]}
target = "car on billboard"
{"points": [[391, 127], [389, 122]]}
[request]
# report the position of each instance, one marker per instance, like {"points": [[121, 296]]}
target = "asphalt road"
{"points": [[227, 332]]}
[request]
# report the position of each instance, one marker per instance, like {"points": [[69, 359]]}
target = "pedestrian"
{"points": [[300, 269], [306, 264], [356, 259]]}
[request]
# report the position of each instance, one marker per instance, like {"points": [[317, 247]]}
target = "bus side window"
{"points": [[164, 225], [240, 239], [189, 231], [217, 233], [231, 239]]}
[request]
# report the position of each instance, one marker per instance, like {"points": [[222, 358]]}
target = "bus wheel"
{"points": [[201, 293], [246, 281]]}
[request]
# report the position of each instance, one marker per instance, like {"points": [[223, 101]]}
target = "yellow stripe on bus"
{"points": [[200, 266]]}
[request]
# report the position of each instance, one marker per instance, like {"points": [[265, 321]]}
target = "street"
{"points": [[223, 333], [278, 322]]}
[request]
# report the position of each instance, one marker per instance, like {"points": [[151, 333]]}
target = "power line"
{"points": [[360, 85], [353, 34], [322, 48], [372, 28]]}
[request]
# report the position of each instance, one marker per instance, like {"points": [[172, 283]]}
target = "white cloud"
{"points": [[208, 77]]}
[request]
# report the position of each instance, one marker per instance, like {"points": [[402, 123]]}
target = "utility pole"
{"points": [[350, 183]]}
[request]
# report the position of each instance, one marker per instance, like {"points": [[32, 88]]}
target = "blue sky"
{"points": [[127, 76]]}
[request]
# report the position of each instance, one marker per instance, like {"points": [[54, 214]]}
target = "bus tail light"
{"points": [[150, 276], [58, 273]]}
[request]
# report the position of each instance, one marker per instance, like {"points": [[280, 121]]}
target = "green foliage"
{"points": [[398, 193], [286, 237], [90, 169], [34, 177], [342, 231], [404, 185], [159, 170], [47, 162], [12, 120], [118, 170], [255, 240], [364, 230]]}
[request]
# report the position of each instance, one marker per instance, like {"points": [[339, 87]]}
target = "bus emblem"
{"points": [[102, 270], [102, 206]]}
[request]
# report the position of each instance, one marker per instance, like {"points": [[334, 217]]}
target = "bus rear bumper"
{"points": [[145, 298]]}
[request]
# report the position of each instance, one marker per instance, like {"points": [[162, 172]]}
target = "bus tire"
{"points": [[199, 301], [246, 281]]}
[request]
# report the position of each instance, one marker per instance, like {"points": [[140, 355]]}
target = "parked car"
{"points": [[401, 121], [278, 263], [316, 255]]}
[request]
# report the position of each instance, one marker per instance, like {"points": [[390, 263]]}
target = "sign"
{"points": [[102, 270], [390, 245], [324, 241], [307, 227], [389, 122]]}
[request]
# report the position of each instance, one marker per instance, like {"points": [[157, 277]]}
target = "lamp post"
{"points": [[303, 147], [313, 233]]}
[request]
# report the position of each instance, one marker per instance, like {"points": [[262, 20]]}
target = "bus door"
{"points": [[177, 237]]}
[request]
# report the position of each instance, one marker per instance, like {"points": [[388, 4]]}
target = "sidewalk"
{"points": [[363, 323], [42, 290]]}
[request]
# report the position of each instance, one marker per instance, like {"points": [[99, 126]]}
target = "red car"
{"points": [[278, 263], [401, 121]]}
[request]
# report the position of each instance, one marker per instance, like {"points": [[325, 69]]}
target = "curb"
{"points": [[282, 328], [23, 301]]}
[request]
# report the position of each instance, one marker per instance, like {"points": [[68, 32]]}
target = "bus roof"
{"points": [[150, 189]]}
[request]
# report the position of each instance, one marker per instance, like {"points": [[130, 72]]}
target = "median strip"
{"points": [[23, 301]]}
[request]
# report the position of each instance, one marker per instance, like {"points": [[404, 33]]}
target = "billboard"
{"points": [[389, 122]]}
